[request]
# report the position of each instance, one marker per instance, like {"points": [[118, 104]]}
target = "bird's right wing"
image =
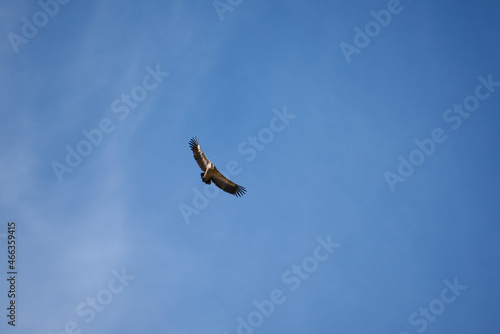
{"points": [[200, 158]]}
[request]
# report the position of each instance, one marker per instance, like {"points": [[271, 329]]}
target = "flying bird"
{"points": [[210, 172]]}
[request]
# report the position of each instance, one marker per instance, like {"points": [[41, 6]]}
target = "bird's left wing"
{"points": [[227, 185]]}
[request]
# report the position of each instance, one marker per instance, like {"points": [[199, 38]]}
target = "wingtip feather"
{"points": [[193, 143], [239, 191]]}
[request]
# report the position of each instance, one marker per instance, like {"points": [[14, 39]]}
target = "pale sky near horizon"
{"points": [[365, 133]]}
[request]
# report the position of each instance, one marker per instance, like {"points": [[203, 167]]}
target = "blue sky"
{"points": [[372, 190]]}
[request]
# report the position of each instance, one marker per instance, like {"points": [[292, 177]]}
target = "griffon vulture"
{"points": [[210, 172]]}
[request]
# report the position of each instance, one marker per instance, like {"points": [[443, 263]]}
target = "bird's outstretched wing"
{"points": [[227, 185], [200, 158]]}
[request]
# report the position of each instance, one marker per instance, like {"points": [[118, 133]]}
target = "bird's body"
{"points": [[210, 172]]}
